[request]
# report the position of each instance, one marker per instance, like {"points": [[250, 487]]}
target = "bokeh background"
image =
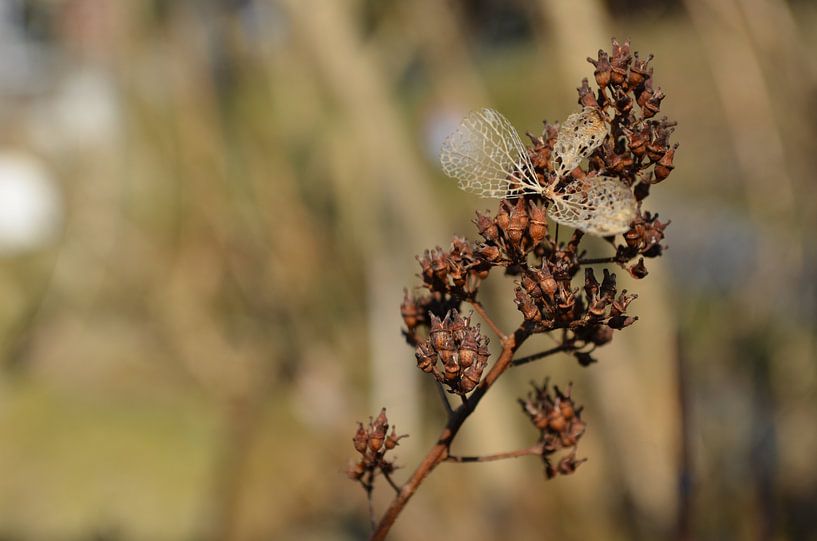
{"points": [[209, 209]]}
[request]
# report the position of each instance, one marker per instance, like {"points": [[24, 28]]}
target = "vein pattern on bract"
{"points": [[579, 135], [487, 157], [597, 205]]}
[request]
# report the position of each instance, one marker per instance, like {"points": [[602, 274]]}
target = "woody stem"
{"points": [[533, 450], [479, 309], [566, 346], [439, 452]]}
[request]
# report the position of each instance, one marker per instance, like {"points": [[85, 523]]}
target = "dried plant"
{"points": [[592, 173]]}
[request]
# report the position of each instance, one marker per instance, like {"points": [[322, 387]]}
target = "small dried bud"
{"points": [[361, 439], [653, 104], [637, 141], [586, 97], [531, 287], [394, 440], [518, 222], [620, 61], [639, 270], [378, 432], [487, 227], [471, 377], [525, 304], [603, 68], [639, 71], [585, 359], [440, 336], [664, 166], [468, 350], [619, 322], [545, 280], [538, 225], [411, 312], [426, 356]]}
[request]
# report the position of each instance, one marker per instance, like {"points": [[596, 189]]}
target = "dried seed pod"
{"points": [[639, 270], [411, 312], [537, 224], [487, 227], [653, 103], [490, 253], [664, 166], [531, 287], [518, 222], [620, 60], [586, 97], [361, 439], [603, 68], [378, 431], [426, 356], [527, 306], [639, 71], [394, 440], [471, 377], [468, 350], [440, 336], [451, 368]]}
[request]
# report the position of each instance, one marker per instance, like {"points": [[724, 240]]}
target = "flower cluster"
{"points": [[560, 426], [455, 352], [517, 229], [373, 442], [456, 272], [593, 174]]}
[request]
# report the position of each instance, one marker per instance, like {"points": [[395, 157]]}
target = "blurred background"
{"points": [[209, 209]]}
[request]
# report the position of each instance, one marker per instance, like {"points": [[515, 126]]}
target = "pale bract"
{"points": [[487, 157]]}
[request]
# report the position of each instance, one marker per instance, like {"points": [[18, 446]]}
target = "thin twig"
{"points": [[439, 451], [444, 399], [390, 481], [534, 450], [479, 309], [566, 346], [368, 486]]}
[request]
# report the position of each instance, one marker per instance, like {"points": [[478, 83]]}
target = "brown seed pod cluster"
{"points": [[590, 174], [456, 272], [560, 426], [518, 228], [373, 441], [455, 352]]}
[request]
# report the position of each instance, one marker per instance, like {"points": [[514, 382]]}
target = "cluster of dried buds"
{"points": [[592, 173], [517, 229], [373, 441], [455, 352], [456, 272], [638, 140], [560, 426]]}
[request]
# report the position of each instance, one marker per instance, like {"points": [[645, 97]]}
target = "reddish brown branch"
{"points": [[439, 452], [567, 346], [534, 450], [479, 309]]}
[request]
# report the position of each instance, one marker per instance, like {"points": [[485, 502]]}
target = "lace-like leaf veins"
{"points": [[579, 135], [487, 157], [598, 205]]}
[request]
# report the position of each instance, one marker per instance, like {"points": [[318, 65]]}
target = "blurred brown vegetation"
{"points": [[237, 192]]}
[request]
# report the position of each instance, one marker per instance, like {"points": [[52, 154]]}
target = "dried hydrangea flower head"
{"points": [[487, 157], [591, 172]]}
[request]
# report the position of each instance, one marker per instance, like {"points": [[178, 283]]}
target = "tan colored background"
{"points": [[222, 200]]}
